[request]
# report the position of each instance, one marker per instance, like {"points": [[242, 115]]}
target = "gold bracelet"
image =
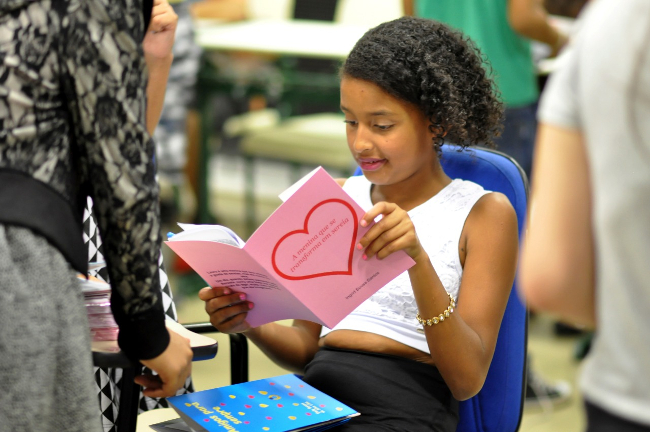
{"points": [[441, 317]]}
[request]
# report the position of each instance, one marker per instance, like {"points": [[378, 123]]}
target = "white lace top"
{"points": [[391, 311]]}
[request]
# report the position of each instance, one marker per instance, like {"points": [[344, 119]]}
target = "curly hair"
{"points": [[436, 68]]}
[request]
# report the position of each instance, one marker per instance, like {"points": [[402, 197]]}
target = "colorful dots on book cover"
{"points": [[279, 404]]}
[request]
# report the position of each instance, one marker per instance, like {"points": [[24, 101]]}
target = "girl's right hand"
{"points": [[227, 309], [395, 231]]}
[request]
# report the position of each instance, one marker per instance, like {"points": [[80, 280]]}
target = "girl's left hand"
{"points": [[159, 39], [395, 231]]}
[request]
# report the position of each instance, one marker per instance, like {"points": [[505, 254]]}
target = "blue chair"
{"points": [[499, 405]]}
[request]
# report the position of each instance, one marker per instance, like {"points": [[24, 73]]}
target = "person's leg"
{"points": [[45, 360], [542, 393]]}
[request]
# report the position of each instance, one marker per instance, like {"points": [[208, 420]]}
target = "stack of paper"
{"points": [[97, 298]]}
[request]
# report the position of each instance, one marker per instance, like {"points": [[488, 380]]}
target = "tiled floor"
{"points": [[552, 356]]}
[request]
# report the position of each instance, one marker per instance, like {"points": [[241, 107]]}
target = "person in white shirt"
{"points": [[585, 256]]}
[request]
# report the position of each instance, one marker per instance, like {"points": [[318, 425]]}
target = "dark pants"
{"points": [[391, 393], [599, 420]]}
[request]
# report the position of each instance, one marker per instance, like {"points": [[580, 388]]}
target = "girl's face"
{"points": [[389, 138]]}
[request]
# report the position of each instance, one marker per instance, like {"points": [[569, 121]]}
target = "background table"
{"points": [[304, 38]]}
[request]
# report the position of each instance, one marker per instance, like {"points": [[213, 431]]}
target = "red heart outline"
{"points": [[306, 231]]}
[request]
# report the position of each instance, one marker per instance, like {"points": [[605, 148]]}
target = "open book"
{"points": [[301, 263], [281, 404]]}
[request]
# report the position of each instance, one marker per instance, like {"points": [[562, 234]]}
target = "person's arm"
{"points": [[462, 346], [290, 347], [106, 98], [557, 260], [173, 365], [409, 7], [530, 19], [157, 45]]}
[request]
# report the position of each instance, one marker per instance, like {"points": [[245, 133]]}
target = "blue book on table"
{"points": [[279, 404]]}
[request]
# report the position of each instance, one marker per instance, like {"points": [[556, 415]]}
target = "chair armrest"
{"points": [[238, 350], [202, 327], [107, 354]]}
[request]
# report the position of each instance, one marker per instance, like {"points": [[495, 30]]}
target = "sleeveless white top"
{"points": [[391, 311]]}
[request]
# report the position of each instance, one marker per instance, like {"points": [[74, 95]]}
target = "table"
{"points": [[303, 38], [281, 38]]}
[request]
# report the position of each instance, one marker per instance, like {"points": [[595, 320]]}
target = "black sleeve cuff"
{"points": [[144, 336]]}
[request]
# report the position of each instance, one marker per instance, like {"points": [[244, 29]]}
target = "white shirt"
{"points": [[439, 222]]}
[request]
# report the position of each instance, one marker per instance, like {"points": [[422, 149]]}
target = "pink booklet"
{"points": [[301, 263]]}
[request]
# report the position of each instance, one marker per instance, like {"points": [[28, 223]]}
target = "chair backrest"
{"points": [[498, 406]]}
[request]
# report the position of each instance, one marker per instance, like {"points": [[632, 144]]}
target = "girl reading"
{"points": [[424, 341]]}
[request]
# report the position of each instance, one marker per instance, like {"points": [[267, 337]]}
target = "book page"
{"points": [[217, 233], [308, 244], [297, 185], [301, 263], [224, 265]]}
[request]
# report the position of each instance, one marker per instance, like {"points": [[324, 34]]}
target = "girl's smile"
{"points": [[368, 164]]}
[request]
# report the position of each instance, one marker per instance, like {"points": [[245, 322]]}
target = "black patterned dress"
{"points": [[72, 125]]}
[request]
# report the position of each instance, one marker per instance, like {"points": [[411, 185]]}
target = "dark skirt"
{"points": [[391, 393]]}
